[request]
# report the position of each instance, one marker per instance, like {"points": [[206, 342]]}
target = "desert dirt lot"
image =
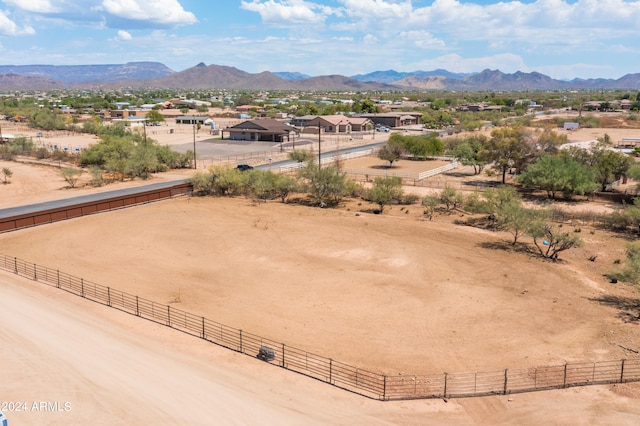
{"points": [[391, 293]]}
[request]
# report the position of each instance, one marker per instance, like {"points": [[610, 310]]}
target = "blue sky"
{"points": [[559, 38]]}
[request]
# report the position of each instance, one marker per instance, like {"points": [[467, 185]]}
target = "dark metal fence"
{"points": [[357, 380]]}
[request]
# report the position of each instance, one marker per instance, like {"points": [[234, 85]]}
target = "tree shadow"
{"points": [[629, 308], [507, 246]]}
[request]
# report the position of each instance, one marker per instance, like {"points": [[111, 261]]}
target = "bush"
{"points": [[42, 153]]}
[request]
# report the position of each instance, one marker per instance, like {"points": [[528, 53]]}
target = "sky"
{"points": [[563, 39]]}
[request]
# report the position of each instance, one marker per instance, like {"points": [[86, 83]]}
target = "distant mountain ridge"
{"points": [[391, 76], [78, 74], [156, 75]]}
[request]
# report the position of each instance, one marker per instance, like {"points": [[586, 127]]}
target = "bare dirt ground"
{"points": [[391, 293]]}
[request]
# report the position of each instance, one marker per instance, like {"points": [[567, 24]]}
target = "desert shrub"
{"points": [[97, 178], [430, 203], [42, 153], [70, 175], [218, 180], [326, 186], [630, 271], [300, 155], [409, 199]]}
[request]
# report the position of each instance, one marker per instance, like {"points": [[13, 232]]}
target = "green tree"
{"points": [[430, 203], [630, 271], [556, 174], [549, 241], [385, 190], [326, 186], [142, 162], [610, 166], [515, 218], [154, 116], [419, 147], [260, 184], [6, 174], [285, 186], [390, 153], [550, 141], [469, 152], [451, 198], [505, 150], [368, 107], [70, 175]]}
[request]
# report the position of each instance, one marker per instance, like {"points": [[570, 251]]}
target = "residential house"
{"points": [[260, 130], [395, 119], [333, 123]]}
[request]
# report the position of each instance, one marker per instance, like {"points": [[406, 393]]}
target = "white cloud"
{"points": [[38, 6], [422, 39], [166, 12], [287, 12], [10, 28], [124, 35]]}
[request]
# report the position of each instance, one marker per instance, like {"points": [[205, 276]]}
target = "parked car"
{"points": [[382, 129], [243, 167], [3, 420]]}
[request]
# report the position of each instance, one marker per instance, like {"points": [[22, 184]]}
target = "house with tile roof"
{"points": [[259, 130]]}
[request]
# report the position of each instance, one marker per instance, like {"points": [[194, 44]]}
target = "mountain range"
{"points": [[157, 75]]}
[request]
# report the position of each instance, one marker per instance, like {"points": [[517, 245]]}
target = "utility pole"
{"points": [[319, 160], [194, 144]]}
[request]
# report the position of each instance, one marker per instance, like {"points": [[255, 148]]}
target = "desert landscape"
{"points": [[392, 293]]}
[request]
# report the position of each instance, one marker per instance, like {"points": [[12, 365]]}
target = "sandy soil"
{"points": [[391, 293]]}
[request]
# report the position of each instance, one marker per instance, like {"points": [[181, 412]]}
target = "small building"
{"points": [[260, 130], [191, 119]]}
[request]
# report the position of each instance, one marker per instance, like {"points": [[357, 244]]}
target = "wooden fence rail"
{"points": [[361, 381]]}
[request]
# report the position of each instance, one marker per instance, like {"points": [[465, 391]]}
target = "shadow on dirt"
{"points": [[629, 308], [507, 246]]}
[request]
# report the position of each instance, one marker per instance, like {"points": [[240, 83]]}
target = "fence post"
{"points": [[137, 307], [109, 296], [506, 378], [169, 315], [384, 388], [58, 278], [283, 355], [445, 384], [240, 341], [203, 335], [564, 380], [15, 265], [330, 370], [35, 273], [622, 372], [82, 287]]}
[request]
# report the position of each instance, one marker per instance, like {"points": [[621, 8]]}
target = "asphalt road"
{"points": [[66, 202]]}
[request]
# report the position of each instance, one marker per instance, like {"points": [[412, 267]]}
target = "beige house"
{"points": [[339, 123], [264, 129]]}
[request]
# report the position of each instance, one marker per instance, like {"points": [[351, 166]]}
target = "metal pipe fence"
{"points": [[358, 380]]}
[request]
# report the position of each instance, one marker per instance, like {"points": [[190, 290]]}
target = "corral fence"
{"points": [[407, 178], [354, 379]]}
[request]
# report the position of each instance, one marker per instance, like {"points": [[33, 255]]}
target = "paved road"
{"points": [[65, 202]]}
